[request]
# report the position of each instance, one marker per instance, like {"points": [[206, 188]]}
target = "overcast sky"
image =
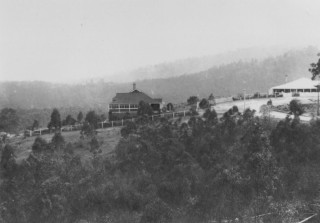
{"points": [[56, 40]]}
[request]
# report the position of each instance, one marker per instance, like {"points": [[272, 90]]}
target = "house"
{"points": [[303, 86], [129, 102]]}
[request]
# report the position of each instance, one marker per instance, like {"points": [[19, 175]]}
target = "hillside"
{"points": [[228, 79], [208, 169], [196, 64]]}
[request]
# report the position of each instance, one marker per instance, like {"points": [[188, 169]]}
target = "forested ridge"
{"points": [[224, 80], [207, 169]]}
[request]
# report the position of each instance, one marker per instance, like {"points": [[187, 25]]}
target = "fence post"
{"points": [[172, 114], [102, 125], [111, 123]]}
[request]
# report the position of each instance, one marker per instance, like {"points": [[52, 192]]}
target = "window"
{"points": [[114, 106]]}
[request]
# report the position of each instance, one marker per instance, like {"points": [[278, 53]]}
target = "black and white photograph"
{"points": [[159, 111]]}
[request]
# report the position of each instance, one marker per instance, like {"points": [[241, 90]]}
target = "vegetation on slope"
{"points": [[206, 169]]}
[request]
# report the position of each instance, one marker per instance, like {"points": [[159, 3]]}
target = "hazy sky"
{"points": [[58, 40]]}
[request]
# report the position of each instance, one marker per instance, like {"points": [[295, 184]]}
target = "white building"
{"points": [[304, 86]]}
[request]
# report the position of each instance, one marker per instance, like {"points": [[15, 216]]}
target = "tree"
{"points": [[7, 156], [70, 120], [58, 141], [169, 107], [315, 68], [144, 109], [9, 120], [87, 130], [94, 145], [296, 108], [80, 116], [129, 128], [39, 145], [211, 97], [235, 109], [35, 125], [204, 103], [192, 100], [92, 118], [211, 116], [55, 121]]}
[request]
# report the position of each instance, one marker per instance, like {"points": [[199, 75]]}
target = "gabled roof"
{"points": [[133, 97], [302, 83]]}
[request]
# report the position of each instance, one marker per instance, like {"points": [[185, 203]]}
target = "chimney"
{"points": [[134, 86]]}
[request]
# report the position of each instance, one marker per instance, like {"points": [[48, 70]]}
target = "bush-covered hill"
{"points": [[202, 171], [224, 80]]}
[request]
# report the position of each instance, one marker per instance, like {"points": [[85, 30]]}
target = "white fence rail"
{"points": [[109, 124]]}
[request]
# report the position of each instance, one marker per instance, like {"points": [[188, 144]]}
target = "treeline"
{"points": [[225, 80], [15, 120], [207, 169]]}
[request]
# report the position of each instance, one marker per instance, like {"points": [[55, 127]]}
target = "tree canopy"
{"points": [[192, 100], [55, 121], [92, 118], [79, 116], [296, 108], [9, 120], [144, 109], [315, 69]]}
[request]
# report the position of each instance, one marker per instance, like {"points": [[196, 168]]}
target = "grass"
{"points": [[107, 138]]}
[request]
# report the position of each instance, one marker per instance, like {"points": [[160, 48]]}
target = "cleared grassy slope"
{"points": [[108, 139]]}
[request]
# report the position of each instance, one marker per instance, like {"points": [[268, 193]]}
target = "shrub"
{"points": [[157, 212], [144, 109], [87, 130], [295, 108], [204, 103], [94, 145], [57, 141], [39, 145], [295, 94], [192, 100], [7, 157]]}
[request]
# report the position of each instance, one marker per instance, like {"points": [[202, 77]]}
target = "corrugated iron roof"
{"points": [[302, 83]]}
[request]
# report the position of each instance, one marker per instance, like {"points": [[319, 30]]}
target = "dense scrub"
{"points": [[206, 169]]}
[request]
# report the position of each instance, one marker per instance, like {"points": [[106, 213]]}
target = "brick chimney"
{"points": [[134, 86]]}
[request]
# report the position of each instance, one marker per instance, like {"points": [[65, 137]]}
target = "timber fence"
{"points": [[111, 124]]}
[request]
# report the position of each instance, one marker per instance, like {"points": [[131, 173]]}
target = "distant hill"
{"points": [[196, 64], [224, 80], [231, 79]]}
